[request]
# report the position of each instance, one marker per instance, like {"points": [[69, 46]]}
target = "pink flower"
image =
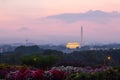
{"points": [[58, 75], [39, 75]]}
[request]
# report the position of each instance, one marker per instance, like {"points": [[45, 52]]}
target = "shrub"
{"points": [[39, 61]]}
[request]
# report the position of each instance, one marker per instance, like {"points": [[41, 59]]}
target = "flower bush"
{"points": [[109, 74], [59, 73]]}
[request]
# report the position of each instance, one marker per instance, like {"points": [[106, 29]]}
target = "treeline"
{"points": [[32, 56], [83, 58], [35, 55]]}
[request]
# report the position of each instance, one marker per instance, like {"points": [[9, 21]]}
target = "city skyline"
{"points": [[44, 22]]}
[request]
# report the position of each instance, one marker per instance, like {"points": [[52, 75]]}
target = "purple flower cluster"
{"points": [[35, 74], [87, 69], [55, 73]]}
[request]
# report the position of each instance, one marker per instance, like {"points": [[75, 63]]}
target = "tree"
{"points": [[39, 61], [52, 52], [27, 49]]}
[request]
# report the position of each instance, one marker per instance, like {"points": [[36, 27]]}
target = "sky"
{"points": [[22, 20]]}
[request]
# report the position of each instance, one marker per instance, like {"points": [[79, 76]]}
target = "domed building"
{"points": [[76, 45], [73, 45]]}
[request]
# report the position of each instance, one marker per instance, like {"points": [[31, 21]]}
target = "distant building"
{"points": [[76, 45], [73, 45]]}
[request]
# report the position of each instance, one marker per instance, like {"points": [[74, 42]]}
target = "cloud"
{"points": [[95, 16], [99, 26], [24, 29]]}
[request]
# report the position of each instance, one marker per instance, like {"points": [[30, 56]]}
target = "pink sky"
{"points": [[24, 17], [76, 6], [35, 8]]}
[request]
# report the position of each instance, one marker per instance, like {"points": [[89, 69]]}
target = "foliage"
{"points": [[14, 72], [27, 49], [39, 61], [111, 74], [76, 58], [91, 57], [52, 52], [8, 72]]}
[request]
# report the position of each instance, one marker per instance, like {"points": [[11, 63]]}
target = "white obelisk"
{"points": [[81, 42]]}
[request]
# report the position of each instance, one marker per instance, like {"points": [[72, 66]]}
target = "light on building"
{"points": [[109, 58], [73, 45]]}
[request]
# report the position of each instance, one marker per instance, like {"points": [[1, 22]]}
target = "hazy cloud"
{"points": [[95, 16], [24, 29]]}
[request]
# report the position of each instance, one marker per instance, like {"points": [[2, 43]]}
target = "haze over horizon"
{"points": [[57, 22]]}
